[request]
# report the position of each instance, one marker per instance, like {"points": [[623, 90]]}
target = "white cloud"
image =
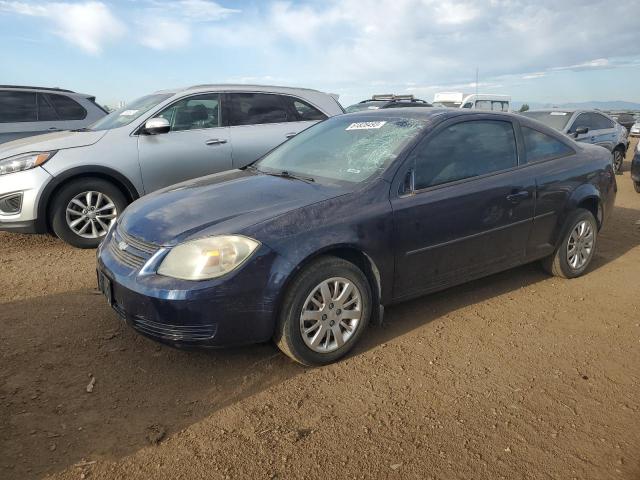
{"points": [[191, 10], [163, 34], [87, 25]]}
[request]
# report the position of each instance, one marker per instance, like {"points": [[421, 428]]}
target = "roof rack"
{"points": [[244, 85], [37, 88], [392, 97]]}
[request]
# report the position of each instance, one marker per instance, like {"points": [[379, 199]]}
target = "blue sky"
{"points": [[538, 51]]}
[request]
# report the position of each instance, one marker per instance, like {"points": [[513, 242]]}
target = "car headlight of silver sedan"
{"points": [[24, 161], [207, 258]]}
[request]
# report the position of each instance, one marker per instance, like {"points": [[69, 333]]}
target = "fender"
{"points": [[130, 190], [586, 193]]}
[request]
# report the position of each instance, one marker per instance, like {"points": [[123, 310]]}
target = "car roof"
{"points": [[424, 113], [237, 86], [44, 89]]}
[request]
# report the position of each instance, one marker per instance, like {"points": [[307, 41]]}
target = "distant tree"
{"points": [[524, 107]]}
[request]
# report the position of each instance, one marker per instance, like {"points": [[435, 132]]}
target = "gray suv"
{"points": [[75, 183], [27, 111], [588, 126]]}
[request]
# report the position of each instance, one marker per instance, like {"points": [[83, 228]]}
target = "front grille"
{"points": [[129, 250], [176, 333], [11, 204]]}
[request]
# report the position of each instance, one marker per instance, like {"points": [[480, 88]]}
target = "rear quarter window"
{"points": [[540, 146], [67, 108]]}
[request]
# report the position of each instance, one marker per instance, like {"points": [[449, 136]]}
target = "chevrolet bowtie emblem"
{"points": [[123, 245]]}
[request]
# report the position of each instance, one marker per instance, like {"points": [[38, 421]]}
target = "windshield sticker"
{"points": [[353, 170], [373, 107], [128, 113], [365, 125], [558, 113]]}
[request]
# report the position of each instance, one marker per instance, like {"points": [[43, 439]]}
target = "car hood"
{"points": [[50, 141], [224, 203]]}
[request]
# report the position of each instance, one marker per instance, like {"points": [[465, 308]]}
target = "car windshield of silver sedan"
{"points": [[127, 114], [554, 119], [344, 149]]}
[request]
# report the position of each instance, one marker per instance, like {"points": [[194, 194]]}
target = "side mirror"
{"points": [[155, 126], [581, 131]]}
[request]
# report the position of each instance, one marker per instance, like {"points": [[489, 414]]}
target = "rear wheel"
{"points": [[618, 159], [636, 185], [577, 248], [83, 210], [325, 311]]}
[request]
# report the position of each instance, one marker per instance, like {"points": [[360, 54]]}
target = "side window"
{"points": [[193, 113], [602, 122], [67, 108], [465, 150], [483, 104], [18, 107], [540, 146], [583, 120], [257, 108], [303, 110], [499, 106], [46, 112]]}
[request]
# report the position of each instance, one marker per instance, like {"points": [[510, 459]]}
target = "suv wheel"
{"points": [[83, 210], [325, 311], [618, 159], [575, 252]]}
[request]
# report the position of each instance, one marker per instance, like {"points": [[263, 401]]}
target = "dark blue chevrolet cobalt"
{"points": [[360, 211]]}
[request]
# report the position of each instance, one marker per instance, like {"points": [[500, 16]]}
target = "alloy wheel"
{"points": [[580, 245], [89, 214], [331, 314], [617, 161]]}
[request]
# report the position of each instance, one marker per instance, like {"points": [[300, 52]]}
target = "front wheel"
{"points": [[325, 311], [577, 248], [83, 210]]}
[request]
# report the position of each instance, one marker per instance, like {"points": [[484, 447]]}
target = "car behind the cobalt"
{"points": [[361, 210]]}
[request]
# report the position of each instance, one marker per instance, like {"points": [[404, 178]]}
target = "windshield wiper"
{"points": [[83, 129], [287, 174]]}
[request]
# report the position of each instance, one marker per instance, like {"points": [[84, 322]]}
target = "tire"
{"points": [[618, 160], [560, 262], [65, 211], [636, 186], [305, 295]]}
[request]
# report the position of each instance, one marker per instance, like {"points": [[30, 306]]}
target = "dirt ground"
{"points": [[519, 375]]}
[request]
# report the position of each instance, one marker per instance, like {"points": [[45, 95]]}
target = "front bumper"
{"points": [[31, 184], [236, 309]]}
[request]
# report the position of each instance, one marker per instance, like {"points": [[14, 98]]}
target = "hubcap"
{"points": [[330, 315], [617, 160], [580, 245], [89, 214]]}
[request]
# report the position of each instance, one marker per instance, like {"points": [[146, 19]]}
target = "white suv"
{"points": [[76, 183]]}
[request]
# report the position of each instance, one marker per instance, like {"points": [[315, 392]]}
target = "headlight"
{"points": [[24, 161], [207, 258]]}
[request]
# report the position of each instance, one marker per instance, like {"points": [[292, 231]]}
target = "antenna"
{"points": [[477, 71]]}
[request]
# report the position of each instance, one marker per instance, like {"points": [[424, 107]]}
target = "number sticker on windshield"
{"points": [[365, 125], [558, 113], [128, 113]]}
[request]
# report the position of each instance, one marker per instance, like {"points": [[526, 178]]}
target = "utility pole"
{"points": [[477, 80]]}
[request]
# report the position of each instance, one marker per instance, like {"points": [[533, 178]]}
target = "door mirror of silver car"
{"points": [[156, 126], [581, 131]]}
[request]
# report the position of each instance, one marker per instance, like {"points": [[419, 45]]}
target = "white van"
{"points": [[477, 101]]}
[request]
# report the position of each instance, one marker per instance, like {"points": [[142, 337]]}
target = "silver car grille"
{"points": [[129, 250]]}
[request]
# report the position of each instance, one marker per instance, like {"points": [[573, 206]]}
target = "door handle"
{"points": [[215, 141], [517, 197], [291, 134]]}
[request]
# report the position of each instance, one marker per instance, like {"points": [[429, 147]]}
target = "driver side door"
{"points": [[196, 145]]}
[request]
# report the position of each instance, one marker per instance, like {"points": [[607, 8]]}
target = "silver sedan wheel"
{"points": [[331, 314], [580, 245], [89, 214], [618, 159]]}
